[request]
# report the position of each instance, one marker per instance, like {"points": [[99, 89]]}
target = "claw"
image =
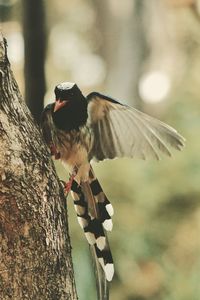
{"points": [[68, 184]]}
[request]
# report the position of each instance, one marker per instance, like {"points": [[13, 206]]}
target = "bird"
{"points": [[81, 129]]}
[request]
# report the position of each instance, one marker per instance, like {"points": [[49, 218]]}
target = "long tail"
{"points": [[94, 213]]}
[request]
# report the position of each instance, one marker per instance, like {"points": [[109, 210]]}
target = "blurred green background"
{"points": [[146, 54]]}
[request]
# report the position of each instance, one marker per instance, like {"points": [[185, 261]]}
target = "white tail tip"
{"points": [[109, 271], [90, 238], [108, 225], [101, 242], [110, 209], [82, 222]]}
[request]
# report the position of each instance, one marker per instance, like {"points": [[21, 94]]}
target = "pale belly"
{"points": [[74, 151], [74, 155]]}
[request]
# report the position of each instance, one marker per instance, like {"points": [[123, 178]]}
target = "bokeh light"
{"points": [[154, 86]]}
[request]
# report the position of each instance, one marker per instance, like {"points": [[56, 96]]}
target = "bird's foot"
{"points": [[68, 184]]}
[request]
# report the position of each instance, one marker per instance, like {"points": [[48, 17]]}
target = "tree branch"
{"points": [[35, 35]]}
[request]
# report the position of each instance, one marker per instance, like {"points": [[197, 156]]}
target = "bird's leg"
{"points": [[69, 183], [71, 178], [79, 174]]}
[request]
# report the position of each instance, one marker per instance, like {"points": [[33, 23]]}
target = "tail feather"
{"points": [[94, 215], [105, 208], [80, 205], [106, 261]]}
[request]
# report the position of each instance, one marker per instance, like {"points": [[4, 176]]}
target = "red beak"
{"points": [[59, 104]]}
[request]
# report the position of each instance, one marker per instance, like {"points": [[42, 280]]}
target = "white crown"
{"points": [[65, 85]]}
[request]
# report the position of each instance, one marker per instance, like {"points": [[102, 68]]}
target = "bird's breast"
{"points": [[74, 146]]}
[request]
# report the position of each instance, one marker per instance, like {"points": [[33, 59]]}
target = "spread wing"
{"points": [[122, 131]]}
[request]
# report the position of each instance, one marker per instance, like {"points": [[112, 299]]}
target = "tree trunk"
{"points": [[35, 252], [34, 29]]}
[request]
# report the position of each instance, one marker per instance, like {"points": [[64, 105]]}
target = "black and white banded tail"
{"points": [[94, 212]]}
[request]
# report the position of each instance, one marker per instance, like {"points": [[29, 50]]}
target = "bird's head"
{"points": [[70, 108], [66, 93]]}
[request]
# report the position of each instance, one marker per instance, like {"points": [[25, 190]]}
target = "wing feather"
{"points": [[123, 131], [150, 134]]}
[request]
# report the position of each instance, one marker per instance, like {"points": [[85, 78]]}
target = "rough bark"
{"points": [[34, 29], [35, 253]]}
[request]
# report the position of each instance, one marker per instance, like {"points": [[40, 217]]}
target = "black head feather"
{"points": [[73, 115]]}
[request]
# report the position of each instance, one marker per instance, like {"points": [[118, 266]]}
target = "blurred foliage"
{"points": [[155, 239]]}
